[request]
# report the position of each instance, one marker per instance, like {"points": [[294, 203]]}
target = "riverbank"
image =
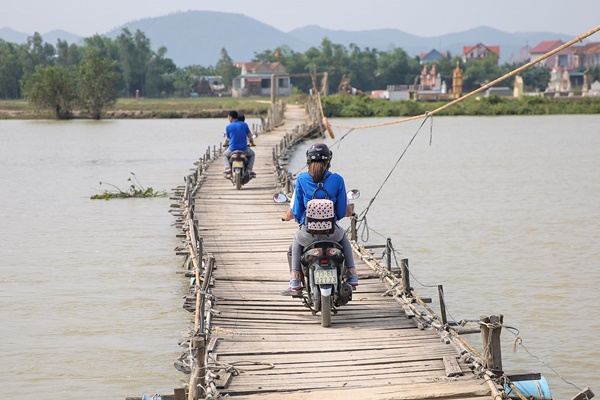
{"points": [[341, 106], [204, 107], [362, 106]]}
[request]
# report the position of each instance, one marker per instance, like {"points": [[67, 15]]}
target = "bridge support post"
{"points": [[388, 251], [199, 372], [442, 304], [491, 327], [405, 277]]}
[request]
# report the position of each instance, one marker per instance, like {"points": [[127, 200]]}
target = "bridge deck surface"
{"points": [[279, 349]]}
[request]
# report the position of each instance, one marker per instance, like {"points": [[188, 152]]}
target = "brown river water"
{"points": [[503, 211]]}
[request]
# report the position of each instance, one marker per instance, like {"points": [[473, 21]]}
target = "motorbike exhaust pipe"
{"points": [[345, 293]]}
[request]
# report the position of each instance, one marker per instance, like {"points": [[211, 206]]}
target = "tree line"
{"points": [[90, 77]]}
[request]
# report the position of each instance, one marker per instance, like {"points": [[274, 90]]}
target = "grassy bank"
{"points": [[356, 106], [333, 106], [205, 107]]}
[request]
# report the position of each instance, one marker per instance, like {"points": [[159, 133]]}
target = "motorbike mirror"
{"points": [[254, 135], [353, 194], [280, 198]]}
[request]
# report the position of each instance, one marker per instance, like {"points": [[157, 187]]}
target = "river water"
{"points": [[502, 211]]}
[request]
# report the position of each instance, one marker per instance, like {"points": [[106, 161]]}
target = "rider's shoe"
{"points": [[295, 284], [251, 173], [227, 174], [290, 292], [352, 276]]}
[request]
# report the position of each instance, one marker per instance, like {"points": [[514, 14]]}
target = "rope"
{"points": [[232, 366], [482, 88], [366, 210], [519, 341]]}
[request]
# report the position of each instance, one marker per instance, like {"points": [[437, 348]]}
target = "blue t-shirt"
{"points": [[305, 187], [237, 133]]}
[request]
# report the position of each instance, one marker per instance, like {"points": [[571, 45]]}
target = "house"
{"points": [[380, 94], [561, 59], [479, 52], [430, 87], [431, 57], [207, 85], [215, 82], [587, 55], [524, 54], [256, 77]]}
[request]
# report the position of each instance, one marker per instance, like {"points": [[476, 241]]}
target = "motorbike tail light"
{"points": [[315, 252], [324, 261], [333, 252]]}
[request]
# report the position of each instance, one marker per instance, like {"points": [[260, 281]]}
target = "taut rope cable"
{"points": [[366, 210], [482, 88], [338, 142]]}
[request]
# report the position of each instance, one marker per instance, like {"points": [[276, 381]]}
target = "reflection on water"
{"points": [[501, 211]]}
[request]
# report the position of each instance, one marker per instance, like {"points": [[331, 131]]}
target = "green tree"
{"points": [[96, 78], [362, 67], [297, 63], [52, 87], [331, 58], [160, 76], [11, 71], [134, 57], [108, 48], [265, 56], [395, 67], [67, 55], [479, 72], [226, 69], [536, 78]]}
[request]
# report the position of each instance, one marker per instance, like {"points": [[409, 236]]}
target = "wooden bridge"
{"points": [[249, 341]]}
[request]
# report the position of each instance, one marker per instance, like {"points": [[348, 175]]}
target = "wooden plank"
{"points": [[452, 367]]}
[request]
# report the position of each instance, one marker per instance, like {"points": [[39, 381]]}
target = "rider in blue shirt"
{"points": [[237, 136]]}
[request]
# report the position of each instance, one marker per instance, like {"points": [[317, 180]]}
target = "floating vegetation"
{"points": [[134, 190]]}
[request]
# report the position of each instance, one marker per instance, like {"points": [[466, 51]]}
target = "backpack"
{"points": [[320, 214]]}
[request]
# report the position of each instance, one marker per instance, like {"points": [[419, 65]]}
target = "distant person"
{"points": [[237, 136]]}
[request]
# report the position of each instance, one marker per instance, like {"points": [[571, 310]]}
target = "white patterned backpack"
{"points": [[320, 214]]}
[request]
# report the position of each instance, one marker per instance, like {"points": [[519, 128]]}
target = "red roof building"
{"points": [[561, 59], [479, 52]]}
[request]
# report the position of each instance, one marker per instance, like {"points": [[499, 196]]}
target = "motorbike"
{"points": [[239, 166], [239, 172], [323, 274]]}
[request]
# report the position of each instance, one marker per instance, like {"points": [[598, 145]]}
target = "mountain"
{"points": [[383, 39], [197, 37], [53, 36], [12, 36]]}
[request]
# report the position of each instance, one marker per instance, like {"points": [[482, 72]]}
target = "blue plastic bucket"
{"points": [[538, 389]]}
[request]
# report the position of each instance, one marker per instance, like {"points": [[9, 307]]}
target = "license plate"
{"points": [[325, 277], [238, 164]]}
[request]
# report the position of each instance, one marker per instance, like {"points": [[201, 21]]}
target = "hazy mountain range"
{"points": [[197, 37]]}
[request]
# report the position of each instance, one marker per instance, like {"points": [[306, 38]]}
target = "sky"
{"points": [[422, 18]]}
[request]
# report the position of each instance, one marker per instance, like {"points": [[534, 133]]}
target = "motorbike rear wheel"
{"points": [[237, 179], [325, 311]]}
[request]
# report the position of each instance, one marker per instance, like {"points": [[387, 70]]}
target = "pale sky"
{"points": [[422, 18]]}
